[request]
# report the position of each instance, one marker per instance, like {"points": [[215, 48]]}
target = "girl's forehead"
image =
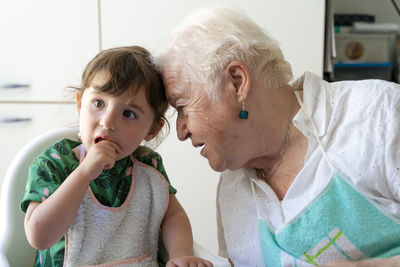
{"points": [[133, 96], [100, 78], [103, 79]]}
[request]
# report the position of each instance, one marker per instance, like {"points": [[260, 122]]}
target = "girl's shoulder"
{"points": [[148, 156], [60, 153], [58, 156], [151, 158]]}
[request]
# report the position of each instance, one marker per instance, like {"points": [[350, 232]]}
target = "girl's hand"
{"points": [[188, 261], [100, 156]]}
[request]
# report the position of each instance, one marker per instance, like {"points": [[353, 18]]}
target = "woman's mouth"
{"points": [[202, 151], [201, 145]]}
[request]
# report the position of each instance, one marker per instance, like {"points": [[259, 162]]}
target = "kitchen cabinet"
{"points": [[44, 46], [20, 123], [297, 25]]}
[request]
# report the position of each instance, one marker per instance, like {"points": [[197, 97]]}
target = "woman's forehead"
{"points": [[174, 93], [174, 82], [179, 84]]}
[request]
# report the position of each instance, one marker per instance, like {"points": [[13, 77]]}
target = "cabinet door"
{"points": [[45, 44], [20, 123]]}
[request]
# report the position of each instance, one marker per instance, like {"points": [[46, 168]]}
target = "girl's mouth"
{"points": [[99, 139]]}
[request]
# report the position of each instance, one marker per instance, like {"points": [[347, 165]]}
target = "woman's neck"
{"points": [[282, 154]]}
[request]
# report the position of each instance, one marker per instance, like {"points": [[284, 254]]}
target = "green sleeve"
{"points": [[48, 171], [153, 159]]}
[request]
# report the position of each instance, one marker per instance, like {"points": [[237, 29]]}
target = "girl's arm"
{"points": [[46, 222], [178, 238]]}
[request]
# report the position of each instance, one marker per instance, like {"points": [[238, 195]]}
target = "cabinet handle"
{"points": [[14, 86], [13, 120]]}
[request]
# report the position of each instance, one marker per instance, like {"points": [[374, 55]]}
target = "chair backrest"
{"points": [[14, 247]]}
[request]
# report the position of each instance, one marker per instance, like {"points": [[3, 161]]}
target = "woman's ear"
{"points": [[154, 131], [239, 77], [78, 102]]}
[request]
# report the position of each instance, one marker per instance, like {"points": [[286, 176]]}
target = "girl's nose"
{"points": [[108, 120]]}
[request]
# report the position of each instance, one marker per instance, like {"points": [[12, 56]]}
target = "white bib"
{"points": [[121, 236]]}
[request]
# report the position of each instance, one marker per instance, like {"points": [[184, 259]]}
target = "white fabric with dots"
{"points": [[358, 123]]}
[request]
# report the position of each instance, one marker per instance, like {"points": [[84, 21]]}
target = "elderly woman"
{"points": [[310, 169]]}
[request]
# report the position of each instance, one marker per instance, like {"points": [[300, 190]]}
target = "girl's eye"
{"points": [[129, 114], [98, 103]]}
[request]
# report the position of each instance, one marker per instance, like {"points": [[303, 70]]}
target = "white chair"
{"points": [[14, 247]]}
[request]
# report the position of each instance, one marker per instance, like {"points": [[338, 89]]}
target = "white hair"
{"points": [[210, 38]]}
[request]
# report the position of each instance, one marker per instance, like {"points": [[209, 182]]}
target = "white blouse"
{"points": [[359, 127]]}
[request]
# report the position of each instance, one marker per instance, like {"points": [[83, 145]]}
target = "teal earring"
{"points": [[244, 114]]}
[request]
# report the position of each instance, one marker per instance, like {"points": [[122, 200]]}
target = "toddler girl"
{"points": [[102, 201]]}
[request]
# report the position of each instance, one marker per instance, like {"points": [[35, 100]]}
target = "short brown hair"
{"points": [[128, 68]]}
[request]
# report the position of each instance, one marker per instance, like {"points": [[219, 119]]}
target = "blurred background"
{"points": [[365, 39]]}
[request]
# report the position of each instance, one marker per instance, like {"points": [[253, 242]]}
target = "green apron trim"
{"points": [[340, 224]]}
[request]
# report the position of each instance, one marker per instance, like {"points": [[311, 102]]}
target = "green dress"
{"points": [[111, 188]]}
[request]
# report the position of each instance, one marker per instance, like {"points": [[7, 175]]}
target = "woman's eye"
{"points": [[179, 109], [180, 105], [98, 103], [129, 114]]}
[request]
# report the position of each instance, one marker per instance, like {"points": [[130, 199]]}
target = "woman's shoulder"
{"points": [[360, 114], [368, 91], [363, 132], [362, 103]]}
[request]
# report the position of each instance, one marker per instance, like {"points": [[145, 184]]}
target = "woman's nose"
{"points": [[108, 120], [181, 129]]}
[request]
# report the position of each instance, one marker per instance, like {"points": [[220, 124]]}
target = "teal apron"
{"points": [[339, 224]]}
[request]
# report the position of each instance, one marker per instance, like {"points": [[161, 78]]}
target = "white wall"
{"points": [[297, 25]]}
